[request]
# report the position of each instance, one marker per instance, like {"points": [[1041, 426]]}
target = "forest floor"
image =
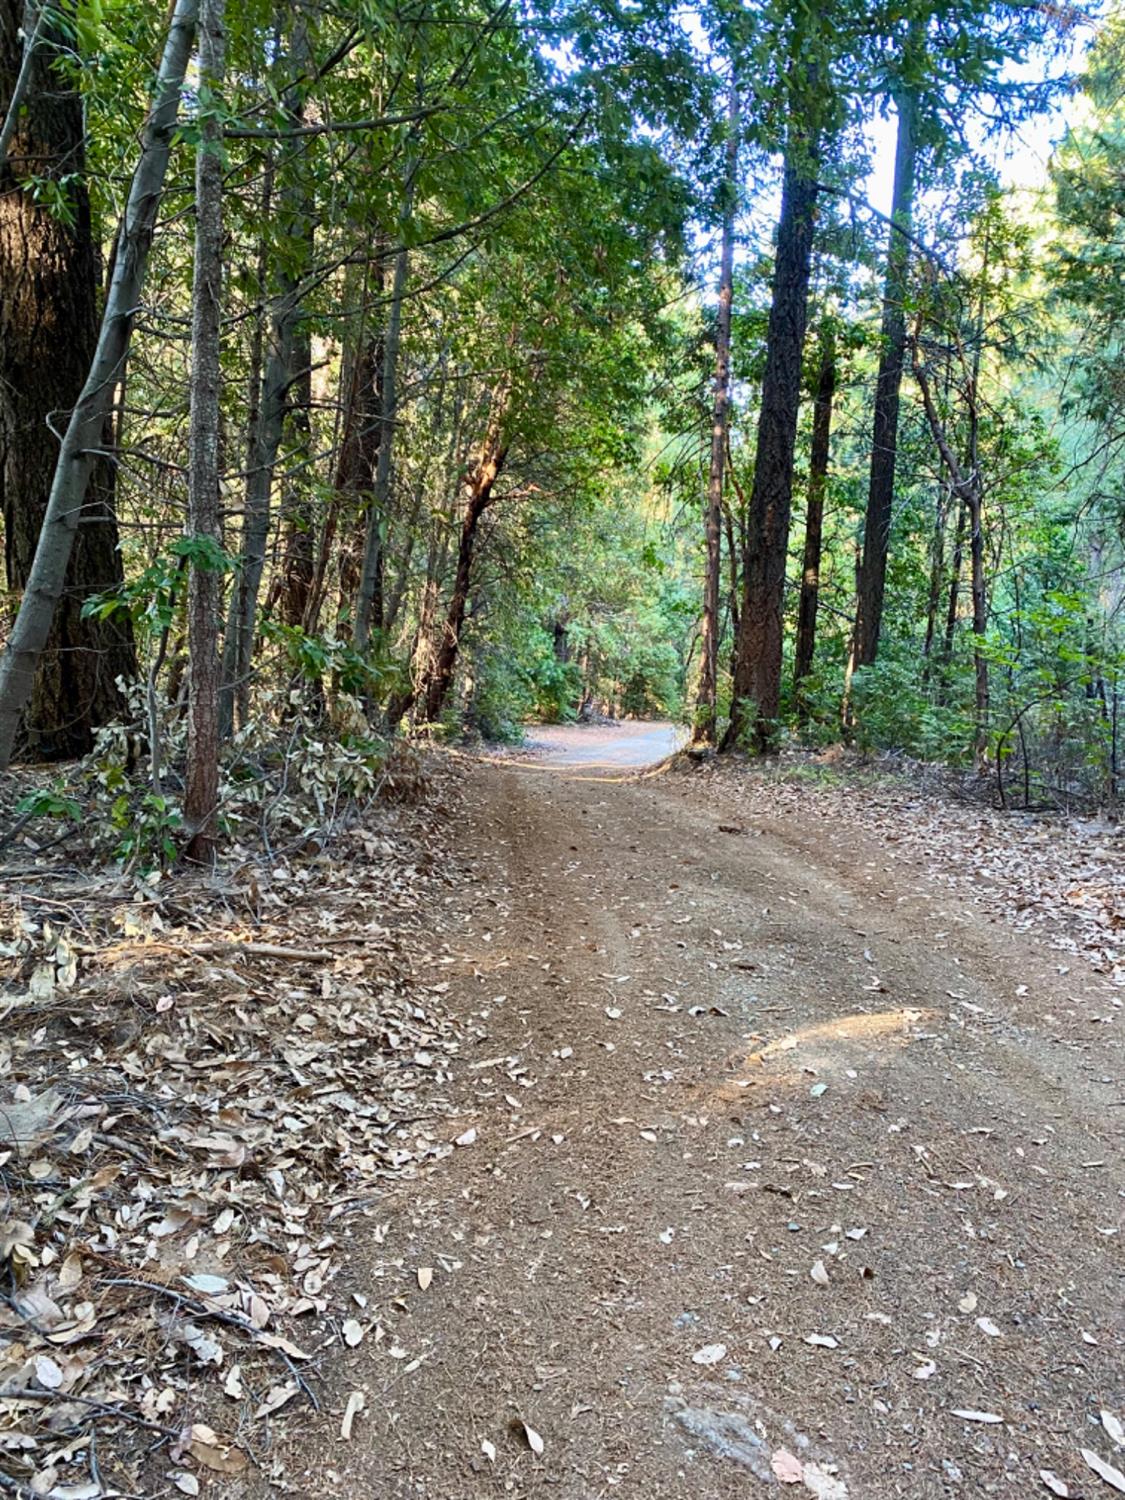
{"points": [[777, 1147]]}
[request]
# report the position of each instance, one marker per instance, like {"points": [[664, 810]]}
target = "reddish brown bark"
{"points": [[49, 322], [814, 518]]}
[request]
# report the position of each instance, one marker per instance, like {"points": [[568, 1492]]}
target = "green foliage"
{"points": [[50, 802], [894, 711], [147, 829]]}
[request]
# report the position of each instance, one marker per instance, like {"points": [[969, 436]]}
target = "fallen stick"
{"points": [[261, 950]]}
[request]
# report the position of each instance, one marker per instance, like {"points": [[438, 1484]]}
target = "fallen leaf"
{"points": [[1114, 1427], [206, 1349], [466, 1138], [221, 1460], [277, 1397], [710, 1354], [352, 1331], [209, 1285], [823, 1485], [534, 1441], [354, 1406], [821, 1340], [1113, 1477], [488, 1449], [70, 1272], [48, 1373], [786, 1468], [968, 1415], [1056, 1485], [186, 1483], [986, 1325], [818, 1273], [425, 1276]]}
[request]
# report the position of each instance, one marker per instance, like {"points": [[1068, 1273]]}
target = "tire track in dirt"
{"points": [[673, 1180]]}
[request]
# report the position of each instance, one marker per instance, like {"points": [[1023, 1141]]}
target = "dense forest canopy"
{"points": [[373, 368]]}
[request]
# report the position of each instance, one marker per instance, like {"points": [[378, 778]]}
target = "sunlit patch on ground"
{"points": [[823, 1050]]}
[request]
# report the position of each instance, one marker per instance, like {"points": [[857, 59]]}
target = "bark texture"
{"points": [[704, 731], [49, 277], [480, 496], [83, 440], [757, 675], [814, 519], [888, 387], [278, 338], [201, 784]]}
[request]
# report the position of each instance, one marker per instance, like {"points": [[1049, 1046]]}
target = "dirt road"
{"points": [[628, 745], [770, 1167]]}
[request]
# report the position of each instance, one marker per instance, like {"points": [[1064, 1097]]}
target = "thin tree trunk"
{"points": [[980, 620], [82, 442], [18, 66], [814, 518], [937, 574], [48, 333], [297, 565], [256, 352], [704, 732], [968, 489], [888, 386], [479, 498], [201, 779], [369, 601], [358, 449], [954, 584], [757, 678], [285, 313]]}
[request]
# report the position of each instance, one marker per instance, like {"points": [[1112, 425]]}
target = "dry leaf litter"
{"points": [[206, 1083]]}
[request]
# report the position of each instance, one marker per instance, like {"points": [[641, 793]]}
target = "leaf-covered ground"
{"points": [[1056, 876], [205, 1084], [703, 1135]]}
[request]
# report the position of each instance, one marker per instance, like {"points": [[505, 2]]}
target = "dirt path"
{"points": [[767, 1155], [628, 745]]}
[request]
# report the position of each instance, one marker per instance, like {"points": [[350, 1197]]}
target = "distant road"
{"points": [[626, 746]]}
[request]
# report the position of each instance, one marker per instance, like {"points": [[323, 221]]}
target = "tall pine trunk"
{"points": [[814, 517], [48, 334], [757, 675], [888, 386], [707, 699], [81, 446], [201, 782]]}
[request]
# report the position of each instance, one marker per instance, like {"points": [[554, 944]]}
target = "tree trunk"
{"points": [[888, 385], [201, 779], [296, 580], [48, 335], [369, 602], [954, 584], [707, 699], [968, 489], [285, 313], [814, 518], [480, 496], [757, 677], [82, 442], [980, 620], [937, 574]]}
